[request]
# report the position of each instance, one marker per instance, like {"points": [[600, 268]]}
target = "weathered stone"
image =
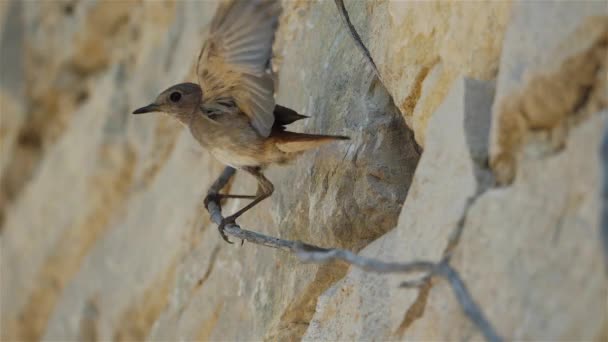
{"points": [[81, 188], [421, 48], [105, 236], [364, 306], [552, 57], [530, 253]]}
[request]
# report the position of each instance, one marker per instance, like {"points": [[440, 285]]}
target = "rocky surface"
{"points": [[103, 233], [552, 73], [364, 306]]}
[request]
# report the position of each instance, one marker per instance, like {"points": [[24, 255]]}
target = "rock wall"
{"points": [[492, 112]]}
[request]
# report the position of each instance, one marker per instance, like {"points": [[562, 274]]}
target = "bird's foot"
{"points": [[222, 227]]}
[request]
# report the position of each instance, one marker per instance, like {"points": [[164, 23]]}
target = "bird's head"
{"points": [[180, 99]]}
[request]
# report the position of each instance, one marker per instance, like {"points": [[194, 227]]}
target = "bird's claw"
{"points": [[222, 227], [215, 197]]}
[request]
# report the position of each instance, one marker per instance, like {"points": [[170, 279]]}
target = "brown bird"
{"points": [[232, 113]]}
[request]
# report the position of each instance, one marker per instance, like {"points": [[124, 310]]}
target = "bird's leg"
{"points": [[265, 189], [218, 197], [221, 196]]}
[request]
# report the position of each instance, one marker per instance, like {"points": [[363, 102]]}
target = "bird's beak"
{"points": [[147, 109]]}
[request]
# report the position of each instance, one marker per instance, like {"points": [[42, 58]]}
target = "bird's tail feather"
{"points": [[291, 142]]}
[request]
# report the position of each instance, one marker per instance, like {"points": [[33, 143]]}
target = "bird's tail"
{"points": [[291, 142]]}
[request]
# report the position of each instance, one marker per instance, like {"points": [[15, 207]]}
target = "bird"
{"points": [[231, 112]]}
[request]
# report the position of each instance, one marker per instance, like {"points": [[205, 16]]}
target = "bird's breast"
{"points": [[232, 140], [236, 158]]}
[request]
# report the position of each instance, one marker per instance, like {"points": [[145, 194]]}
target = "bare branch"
{"points": [[468, 305], [314, 254]]}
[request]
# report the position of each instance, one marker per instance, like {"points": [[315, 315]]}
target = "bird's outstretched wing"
{"points": [[232, 63]]}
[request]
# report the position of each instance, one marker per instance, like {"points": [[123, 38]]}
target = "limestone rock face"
{"points": [[553, 71], [103, 233], [363, 306]]}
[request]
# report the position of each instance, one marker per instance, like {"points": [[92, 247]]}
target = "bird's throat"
{"points": [[184, 118]]}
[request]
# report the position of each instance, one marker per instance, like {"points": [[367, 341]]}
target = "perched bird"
{"points": [[232, 113]]}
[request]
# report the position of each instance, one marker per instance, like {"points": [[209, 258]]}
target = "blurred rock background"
{"points": [[103, 233]]}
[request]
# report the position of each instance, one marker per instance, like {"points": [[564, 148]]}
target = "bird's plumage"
{"points": [[233, 113], [232, 65]]}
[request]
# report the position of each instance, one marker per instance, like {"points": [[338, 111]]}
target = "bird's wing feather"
{"points": [[234, 59]]}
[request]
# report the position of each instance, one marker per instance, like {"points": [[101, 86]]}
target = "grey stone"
{"points": [[366, 306]]}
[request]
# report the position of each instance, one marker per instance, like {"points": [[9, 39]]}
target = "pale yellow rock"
{"points": [[530, 253], [464, 36], [108, 239], [105, 236], [366, 306], [552, 56]]}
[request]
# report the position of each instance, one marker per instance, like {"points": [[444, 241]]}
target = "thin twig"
{"points": [[454, 238], [310, 253], [468, 305]]}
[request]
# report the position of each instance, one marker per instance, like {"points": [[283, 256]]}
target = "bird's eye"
{"points": [[175, 96]]}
